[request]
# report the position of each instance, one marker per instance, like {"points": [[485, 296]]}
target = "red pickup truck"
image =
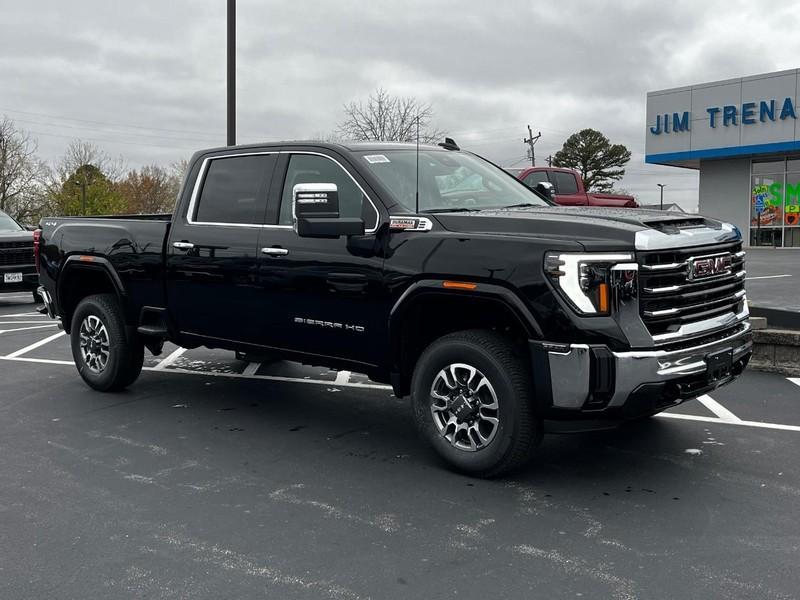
{"points": [[568, 187]]}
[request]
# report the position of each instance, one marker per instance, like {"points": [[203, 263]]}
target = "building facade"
{"points": [[743, 137]]}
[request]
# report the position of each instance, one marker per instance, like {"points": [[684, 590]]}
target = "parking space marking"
{"points": [[251, 368], [342, 377], [26, 328], [35, 345], [173, 356], [717, 408], [46, 361], [28, 314], [767, 277], [757, 424], [794, 380]]}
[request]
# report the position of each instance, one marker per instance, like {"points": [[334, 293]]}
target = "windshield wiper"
{"points": [[452, 209], [521, 205]]}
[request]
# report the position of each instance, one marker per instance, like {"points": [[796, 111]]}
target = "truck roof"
{"points": [[351, 146]]}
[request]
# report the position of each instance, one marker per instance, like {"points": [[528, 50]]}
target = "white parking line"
{"points": [[767, 277], [25, 328], [794, 380], [717, 408], [251, 368], [35, 345], [729, 419], [342, 377], [28, 314], [173, 356], [758, 424]]}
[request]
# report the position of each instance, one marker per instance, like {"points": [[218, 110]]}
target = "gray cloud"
{"points": [[147, 79]]}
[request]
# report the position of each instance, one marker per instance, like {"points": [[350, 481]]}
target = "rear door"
{"points": [[212, 254], [326, 296], [567, 190]]}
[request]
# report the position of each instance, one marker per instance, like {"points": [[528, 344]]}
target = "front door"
{"points": [[327, 294], [212, 255]]}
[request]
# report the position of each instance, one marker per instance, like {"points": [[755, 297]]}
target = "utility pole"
{"points": [[82, 184], [662, 186], [231, 72], [550, 160], [531, 141]]}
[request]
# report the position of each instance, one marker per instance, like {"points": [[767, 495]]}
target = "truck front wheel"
{"points": [[473, 403], [106, 357]]}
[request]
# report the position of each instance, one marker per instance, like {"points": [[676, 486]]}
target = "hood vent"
{"points": [[674, 226]]}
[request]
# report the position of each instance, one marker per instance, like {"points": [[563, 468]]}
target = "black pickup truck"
{"points": [[431, 269]]}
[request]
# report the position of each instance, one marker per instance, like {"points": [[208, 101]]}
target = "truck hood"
{"points": [[16, 236], [596, 228]]}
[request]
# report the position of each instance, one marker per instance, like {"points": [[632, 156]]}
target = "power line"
{"points": [[65, 118]]}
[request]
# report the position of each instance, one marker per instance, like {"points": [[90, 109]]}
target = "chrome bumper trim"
{"points": [[570, 370], [48, 301]]}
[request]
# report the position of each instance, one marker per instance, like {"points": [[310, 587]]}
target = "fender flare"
{"points": [[81, 262], [482, 290]]}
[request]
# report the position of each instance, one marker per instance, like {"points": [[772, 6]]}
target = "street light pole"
{"points": [[662, 186], [231, 72], [82, 184]]}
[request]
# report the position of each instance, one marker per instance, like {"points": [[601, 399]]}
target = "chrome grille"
{"points": [[16, 253], [669, 297]]}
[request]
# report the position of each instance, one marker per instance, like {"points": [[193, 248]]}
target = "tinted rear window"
{"points": [[565, 182], [234, 190]]}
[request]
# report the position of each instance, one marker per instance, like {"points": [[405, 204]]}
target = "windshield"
{"points": [[8, 224], [448, 181]]}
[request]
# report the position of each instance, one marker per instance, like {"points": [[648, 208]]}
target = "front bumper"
{"points": [[583, 381], [30, 279]]}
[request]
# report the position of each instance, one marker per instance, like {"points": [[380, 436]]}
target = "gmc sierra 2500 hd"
{"points": [[431, 269]]}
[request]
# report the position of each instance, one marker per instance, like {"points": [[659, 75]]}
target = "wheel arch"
{"points": [[83, 276], [427, 310]]}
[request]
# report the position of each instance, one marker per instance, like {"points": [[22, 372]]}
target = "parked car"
{"points": [[17, 270], [429, 269], [568, 187]]}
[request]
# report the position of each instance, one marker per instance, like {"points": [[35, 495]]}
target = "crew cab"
{"points": [[427, 268], [17, 270], [568, 189]]}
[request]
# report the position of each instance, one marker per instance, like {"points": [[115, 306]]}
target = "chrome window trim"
{"points": [[341, 166], [198, 184]]}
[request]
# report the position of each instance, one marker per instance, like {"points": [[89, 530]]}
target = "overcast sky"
{"points": [[145, 79]]}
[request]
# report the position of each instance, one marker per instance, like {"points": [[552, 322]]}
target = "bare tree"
{"points": [[80, 154], [387, 118], [21, 171]]}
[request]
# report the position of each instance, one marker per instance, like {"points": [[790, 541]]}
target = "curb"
{"points": [[776, 351]]}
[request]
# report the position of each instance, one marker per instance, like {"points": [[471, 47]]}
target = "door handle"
{"points": [[275, 251], [183, 245]]}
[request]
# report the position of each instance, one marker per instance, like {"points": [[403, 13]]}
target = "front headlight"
{"points": [[588, 281]]}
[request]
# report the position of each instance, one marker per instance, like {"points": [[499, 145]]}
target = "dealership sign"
{"points": [[748, 113]]}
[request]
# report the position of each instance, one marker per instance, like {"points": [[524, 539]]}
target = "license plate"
{"points": [[12, 277], [720, 365]]}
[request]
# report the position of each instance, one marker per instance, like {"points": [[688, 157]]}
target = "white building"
{"points": [[743, 137]]}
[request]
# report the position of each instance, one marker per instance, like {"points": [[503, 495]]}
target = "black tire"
{"points": [[37, 299], [124, 355], [519, 428]]}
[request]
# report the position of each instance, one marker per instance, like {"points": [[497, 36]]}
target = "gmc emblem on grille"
{"points": [[708, 266]]}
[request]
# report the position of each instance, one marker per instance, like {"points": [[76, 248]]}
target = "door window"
{"points": [[531, 179], [234, 190], [565, 183], [312, 168]]}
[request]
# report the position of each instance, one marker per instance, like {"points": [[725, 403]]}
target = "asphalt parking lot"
{"points": [[215, 478]]}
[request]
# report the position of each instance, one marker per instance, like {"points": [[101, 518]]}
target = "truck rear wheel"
{"points": [[473, 403], [106, 357]]}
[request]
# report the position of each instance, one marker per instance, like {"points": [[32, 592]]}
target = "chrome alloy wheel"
{"points": [[464, 407], [94, 345]]}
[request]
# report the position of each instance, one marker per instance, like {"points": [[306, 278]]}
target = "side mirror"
{"points": [[546, 189], [315, 212]]}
